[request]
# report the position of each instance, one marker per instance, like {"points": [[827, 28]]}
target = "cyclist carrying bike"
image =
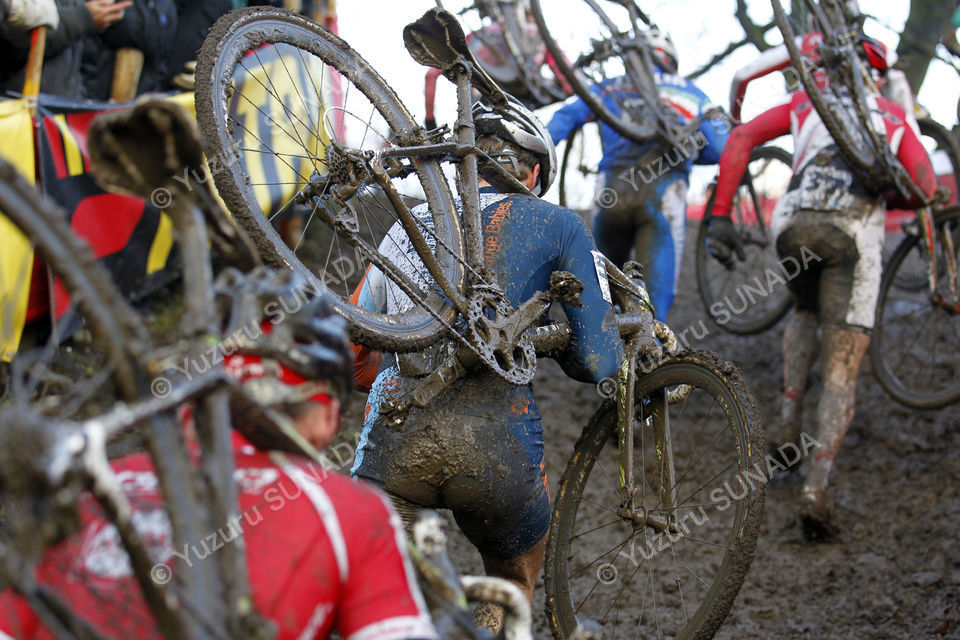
{"points": [[642, 201], [834, 226], [478, 448], [323, 552]]}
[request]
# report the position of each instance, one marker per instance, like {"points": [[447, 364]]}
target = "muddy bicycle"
{"points": [[63, 423], [912, 351], [680, 431]]}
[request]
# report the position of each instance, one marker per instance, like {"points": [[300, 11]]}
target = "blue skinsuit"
{"points": [[644, 207], [478, 448]]}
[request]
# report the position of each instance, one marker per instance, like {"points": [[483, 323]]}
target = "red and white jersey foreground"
{"points": [[323, 553]]}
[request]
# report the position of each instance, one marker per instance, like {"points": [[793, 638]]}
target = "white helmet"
{"points": [[518, 125], [662, 48]]}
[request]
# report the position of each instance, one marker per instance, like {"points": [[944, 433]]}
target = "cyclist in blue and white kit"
{"points": [[477, 449], [642, 201]]}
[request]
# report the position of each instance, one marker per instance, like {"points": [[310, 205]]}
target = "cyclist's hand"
{"points": [[430, 124], [722, 240]]}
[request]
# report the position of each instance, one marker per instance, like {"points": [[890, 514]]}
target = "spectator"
{"points": [[195, 17], [149, 26], [64, 48]]}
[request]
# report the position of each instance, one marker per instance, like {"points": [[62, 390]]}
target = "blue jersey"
{"points": [[525, 240], [686, 100], [477, 448]]}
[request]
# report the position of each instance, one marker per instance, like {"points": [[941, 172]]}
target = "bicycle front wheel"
{"points": [[277, 95], [679, 582], [751, 295], [914, 347], [616, 81]]}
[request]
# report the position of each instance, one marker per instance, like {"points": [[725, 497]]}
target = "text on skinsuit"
{"points": [[491, 244]]}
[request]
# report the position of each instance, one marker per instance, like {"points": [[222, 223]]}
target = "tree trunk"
{"points": [[928, 21]]}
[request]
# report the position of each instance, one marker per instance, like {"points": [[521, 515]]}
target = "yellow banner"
{"points": [[16, 256]]}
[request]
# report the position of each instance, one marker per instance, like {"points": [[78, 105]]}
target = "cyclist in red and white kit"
{"points": [[324, 553], [834, 227]]}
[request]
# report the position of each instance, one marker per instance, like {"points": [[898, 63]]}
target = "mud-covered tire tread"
{"points": [[382, 336], [576, 82], [888, 380], [115, 326], [743, 548], [948, 143], [861, 161], [747, 327]]}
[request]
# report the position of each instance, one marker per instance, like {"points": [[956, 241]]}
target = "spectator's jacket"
{"points": [[62, 55], [323, 553], [686, 100], [150, 26]]}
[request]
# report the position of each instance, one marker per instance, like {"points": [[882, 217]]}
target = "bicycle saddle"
{"points": [[437, 40]]}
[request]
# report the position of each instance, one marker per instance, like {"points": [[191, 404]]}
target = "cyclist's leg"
{"points": [[613, 222], [848, 297], [498, 494], [659, 239], [799, 345]]}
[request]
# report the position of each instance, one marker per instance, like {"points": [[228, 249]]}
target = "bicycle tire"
{"points": [[577, 504], [568, 152], [624, 126], [934, 138], [116, 328], [860, 158], [248, 30], [118, 334], [946, 142], [760, 246], [903, 327]]}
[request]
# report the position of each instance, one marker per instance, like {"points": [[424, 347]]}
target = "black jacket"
{"points": [[195, 17], [149, 25], [62, 56]]}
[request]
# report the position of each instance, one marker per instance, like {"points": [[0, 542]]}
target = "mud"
{"points": [[894, 571]]}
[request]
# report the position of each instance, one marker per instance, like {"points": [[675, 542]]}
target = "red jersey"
{"points": [[798, 117], [323, 553]]}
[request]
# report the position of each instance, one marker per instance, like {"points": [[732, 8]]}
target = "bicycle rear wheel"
{"points": [[677, 583], [945, 156], [276, 95], [751, 296], [914, 347], [614, 79]]}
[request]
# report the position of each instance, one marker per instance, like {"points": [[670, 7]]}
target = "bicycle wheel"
{"points": [[578, 170], [617, 82], [277, 95], [678, 583], [752, 295], [76, 379], [914, 348], [945, 156], [841, 103], [108, 359]]}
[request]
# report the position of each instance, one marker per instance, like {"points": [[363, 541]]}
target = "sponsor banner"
{"points": [[16, 255]]}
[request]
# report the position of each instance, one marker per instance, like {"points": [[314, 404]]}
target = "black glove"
{"points": [[430, 124], [722, 240]]}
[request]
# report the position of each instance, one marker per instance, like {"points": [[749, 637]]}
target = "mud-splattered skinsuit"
{"points": [[826, 213], [478, 448], [642, 199]]}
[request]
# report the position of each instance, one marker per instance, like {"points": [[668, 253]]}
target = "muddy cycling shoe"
{"points": [[818, 517]]}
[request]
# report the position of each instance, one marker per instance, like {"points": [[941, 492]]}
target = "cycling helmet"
{"points": [[519, 126], [873, 52], [663, 51], [282, 344]]}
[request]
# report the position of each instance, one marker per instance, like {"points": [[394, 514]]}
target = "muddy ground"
{"points": [[895, 570]]}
